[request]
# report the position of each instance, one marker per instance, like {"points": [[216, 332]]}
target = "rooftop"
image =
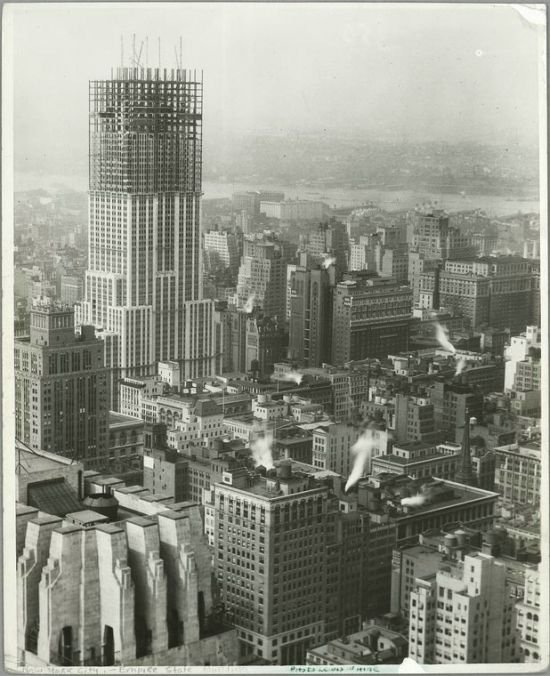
{"points": [[120, 421], [39, 461], [399, 460], [53, 497], [85, 516], [461, 494], [260, 488]]}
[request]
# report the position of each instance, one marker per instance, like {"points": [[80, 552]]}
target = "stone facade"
{"points": [[132, 593]]}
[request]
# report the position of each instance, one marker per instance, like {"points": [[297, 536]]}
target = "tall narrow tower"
{"points": [[144, 277], [465, 473]]}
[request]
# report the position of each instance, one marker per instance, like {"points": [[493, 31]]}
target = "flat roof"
{"points": [[398, 460], [39, 461], [259, 489], [142, 521], [463, 494], [43, 519], [132, 489], [22, 508], [104, 480], [120, 420], [87, 516]]}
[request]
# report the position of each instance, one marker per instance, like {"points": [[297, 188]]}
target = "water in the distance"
{"points": [[390, 200]]}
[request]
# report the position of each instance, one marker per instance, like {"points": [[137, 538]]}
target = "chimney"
{"points": [[465, 474]]}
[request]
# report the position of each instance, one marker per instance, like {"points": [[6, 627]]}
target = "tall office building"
{"points": [[371, 317], [61, 387], [270, 541], [432, 241], [311, 315], [296, 564], [144, 272], [434, 238], [262, 276], [330, 239], [494, 291]]}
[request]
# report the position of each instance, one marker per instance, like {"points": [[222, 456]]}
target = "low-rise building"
{"points": [[373, 645], [125, 442], [528, 619], [463, 614], [419, 459], [518, 472]]}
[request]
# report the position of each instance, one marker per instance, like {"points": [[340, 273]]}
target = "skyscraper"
{"points": [[270, 554], [144, 272], [311, 315], [61, 387], [293, 562], [262, 276], [371, 317]]}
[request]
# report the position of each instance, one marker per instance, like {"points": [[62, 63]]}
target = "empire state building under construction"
{"points": [[144, 277]]}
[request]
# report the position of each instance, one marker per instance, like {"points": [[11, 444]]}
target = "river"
{"points": [[390, 200]]}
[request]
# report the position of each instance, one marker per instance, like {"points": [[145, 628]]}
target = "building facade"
{"points": [[269, 546], [310, 325], [136, 593], [463, 614], [371, 317], [61, 387], [491, 291], [144, 277], [518, 473], [262, 277]]}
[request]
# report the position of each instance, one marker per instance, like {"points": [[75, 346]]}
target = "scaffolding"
{"points": [[146, 131]]}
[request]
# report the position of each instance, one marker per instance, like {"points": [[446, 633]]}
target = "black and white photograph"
{"points": [[274, 337]]}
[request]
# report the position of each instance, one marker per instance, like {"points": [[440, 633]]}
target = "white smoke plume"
{"points": [[414, 501], [460, 366], [291, 377], [362, 450], [249, 305], [442, 338], [329, 260], [261, 450]]}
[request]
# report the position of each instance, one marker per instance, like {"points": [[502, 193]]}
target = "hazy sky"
{"points": [[448, 72]]}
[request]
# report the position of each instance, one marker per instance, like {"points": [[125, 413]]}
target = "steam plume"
{"points": [[249, 305], [414, 501], [291, 377], [261, 450], [461, 365], [329, 260], [442, 339], [362, 449]]}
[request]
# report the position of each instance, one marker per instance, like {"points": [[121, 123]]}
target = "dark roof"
{"points": [[204, 407], [53, 497]]}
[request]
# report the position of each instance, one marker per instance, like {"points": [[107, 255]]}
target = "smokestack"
{"points": [[80, 485], [465, 474]]}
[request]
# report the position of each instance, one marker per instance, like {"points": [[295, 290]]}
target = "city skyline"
{"points": [[271, 429]]}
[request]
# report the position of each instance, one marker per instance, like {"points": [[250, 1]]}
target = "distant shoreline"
{"points": [[389, 198]]}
